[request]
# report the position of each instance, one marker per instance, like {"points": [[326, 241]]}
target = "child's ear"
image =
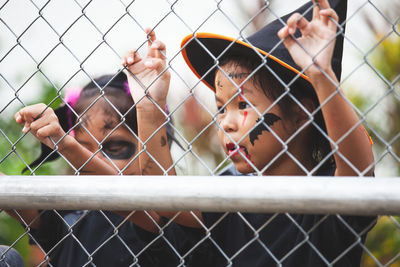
{"points": [[303, 112]]}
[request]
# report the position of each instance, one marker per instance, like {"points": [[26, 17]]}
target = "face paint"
{"points": [[109, 124], [269, 119], [244, 117], [248, 156], [118, 149]]}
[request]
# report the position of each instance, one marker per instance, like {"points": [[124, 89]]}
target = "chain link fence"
{"points": [[54, 52]]}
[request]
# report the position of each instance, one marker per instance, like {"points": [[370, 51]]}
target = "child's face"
{"points": [[121, 146], [239, 121]]}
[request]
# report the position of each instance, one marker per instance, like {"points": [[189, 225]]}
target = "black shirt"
{"points": [[256, 239], [80, 238]]}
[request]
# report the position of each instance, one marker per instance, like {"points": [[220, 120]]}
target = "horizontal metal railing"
{"points": [[314, 195]]}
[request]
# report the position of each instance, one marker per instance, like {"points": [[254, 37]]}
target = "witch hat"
{"points": [[201, 51]]}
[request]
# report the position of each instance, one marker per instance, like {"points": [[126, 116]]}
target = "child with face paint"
{"points": [[102, 238], [282, 112]]}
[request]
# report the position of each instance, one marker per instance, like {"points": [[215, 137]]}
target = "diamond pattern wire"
{"points": [[100, 131]]}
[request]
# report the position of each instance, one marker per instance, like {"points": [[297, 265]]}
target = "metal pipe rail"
{"points": [[312, 195]]}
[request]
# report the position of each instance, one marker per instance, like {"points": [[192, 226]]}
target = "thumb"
{"points": [[18, 118]]}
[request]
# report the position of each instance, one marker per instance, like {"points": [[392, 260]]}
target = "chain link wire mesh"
{"points": [[50, 47]]}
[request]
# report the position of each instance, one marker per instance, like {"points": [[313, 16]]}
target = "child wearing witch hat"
{"points": [[281, 112]]}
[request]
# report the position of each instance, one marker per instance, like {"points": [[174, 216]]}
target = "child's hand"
{"points": [[317, 40], [42, 122], [147, 70]]}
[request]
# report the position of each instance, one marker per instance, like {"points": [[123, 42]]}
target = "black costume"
{"points": [[99, 235], [289, 239]]}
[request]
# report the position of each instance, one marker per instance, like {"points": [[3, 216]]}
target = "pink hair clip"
{"points": [[72, 95], [127, 90]]}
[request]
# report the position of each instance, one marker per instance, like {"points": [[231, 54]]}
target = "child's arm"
{"points": [[149, 116], [151, 81], [43, 123], [318, 39]]}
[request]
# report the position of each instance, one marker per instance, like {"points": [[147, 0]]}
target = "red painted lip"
{"points": [[233, 151]]}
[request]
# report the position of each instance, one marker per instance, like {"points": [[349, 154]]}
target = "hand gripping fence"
{"points": [[208, 214]]}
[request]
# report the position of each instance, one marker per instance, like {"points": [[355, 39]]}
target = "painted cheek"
{"points": [[244, 117], [269, 119], [248, 156]]}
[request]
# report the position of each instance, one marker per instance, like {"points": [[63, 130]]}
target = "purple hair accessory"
{"points": [[126, 85], [72, 95]]}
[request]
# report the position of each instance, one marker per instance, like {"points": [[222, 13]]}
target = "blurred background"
{"points": [[47, 46]]}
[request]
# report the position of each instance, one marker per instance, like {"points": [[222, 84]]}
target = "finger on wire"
{"points": [[130, 57], [323, 4], [43, 121], [284, 32], [297, 21], [18, 118], [159, 49], [316, 10], [47, 130], [31, 113], [284, 35], [151, 37], [27, 127], [327, 16]]}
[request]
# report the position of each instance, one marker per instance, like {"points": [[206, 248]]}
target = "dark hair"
{"points": [[113, 87], [299, 89], [115, 90]]}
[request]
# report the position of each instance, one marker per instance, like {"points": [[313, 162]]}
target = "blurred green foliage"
{"points": [[384, 243], [12, 233], [384, 239]]}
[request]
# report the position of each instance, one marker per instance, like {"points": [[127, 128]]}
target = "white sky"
{"points": [[81, 38]]}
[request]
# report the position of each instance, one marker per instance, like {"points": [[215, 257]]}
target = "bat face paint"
{"points": [[269, 119], [119, 149], [239, 116]]}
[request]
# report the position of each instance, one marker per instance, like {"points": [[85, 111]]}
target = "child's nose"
{"points": [[229, 122]]}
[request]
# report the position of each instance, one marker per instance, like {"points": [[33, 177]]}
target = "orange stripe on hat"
{"points": [[204, 35]]}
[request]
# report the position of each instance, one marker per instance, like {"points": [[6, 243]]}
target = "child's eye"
{"points": [[243, 105], [119, 149], [221, 110]]}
